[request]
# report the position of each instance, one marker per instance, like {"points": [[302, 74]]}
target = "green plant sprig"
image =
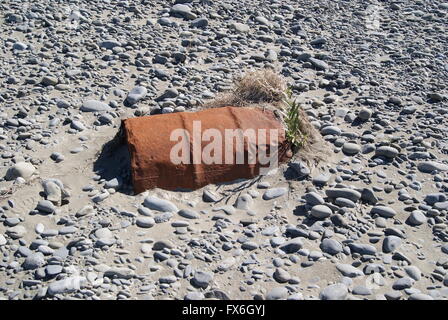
{"points": [[294, 133]]}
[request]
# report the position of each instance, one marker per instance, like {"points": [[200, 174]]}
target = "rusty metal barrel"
{"points": [[153, 140]]}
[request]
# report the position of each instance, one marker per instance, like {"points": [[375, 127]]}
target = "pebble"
{"points": [[383, 211], [420, 296], [291, 246], [277, 293], [336, 291], [365, 114], [349, 271], [403, 283], [145, 222], [189, 214], [350, 194], [243, 202], [331, 246], [274, 193], [351, 148], [413, 272], [320, 211], [157, 204], [386, 151], [3, 240], [20, 170], [34, 261], [313, 198], [94, 106], [202, 279], [430, 166], [46, 206], [281, 275], [16, 232], [67, 285], [416, 218], [136, 94], [195, 295], [390, 243]]}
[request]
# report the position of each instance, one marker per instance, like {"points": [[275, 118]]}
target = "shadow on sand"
{"points": [[113, 161]]}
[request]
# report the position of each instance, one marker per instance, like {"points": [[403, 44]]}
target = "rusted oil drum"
{"points": [[169, 151]]}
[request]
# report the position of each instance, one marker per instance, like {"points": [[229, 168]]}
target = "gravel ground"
{"points": [[369, 222]]}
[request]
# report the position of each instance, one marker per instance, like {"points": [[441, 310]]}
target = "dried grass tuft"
{"points": [[259, 86], [255, 87]]}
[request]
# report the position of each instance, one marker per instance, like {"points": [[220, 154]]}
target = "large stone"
{"points": [[158, 204], [343, 193], [351, 148], [274, 193], [313, 198], [336, 291], [390, 243], [194, 295], [278, 293], [240, 27], [136, 94], [114, 183], [182, 10], [413, 272], [331, 246], [3, 240], [386, 151], [369, 196], [202, 279], [319, 64], [189, 214], [430, 166], [49, 81], [432, 198], [363, 249], [85, 211], [383, 211], [45, 206], [121, 273], [292, 245], [199, 23], [94, 106], [330, 130], [67, 285], [320, 211], [403, 283], [348, 270], [52, 191], [281, 275], [34, 261], [16, 232], [243, 202], [416, 218], [21, 169], [365, 114], [145, 222], [420, 296], [300, 168], [110, 44]]}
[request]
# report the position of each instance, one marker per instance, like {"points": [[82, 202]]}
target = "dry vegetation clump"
{"points": [[268, 90], [259, 87]]}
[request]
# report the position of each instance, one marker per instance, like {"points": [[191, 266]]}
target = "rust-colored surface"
{"points": [[149, 144]]}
